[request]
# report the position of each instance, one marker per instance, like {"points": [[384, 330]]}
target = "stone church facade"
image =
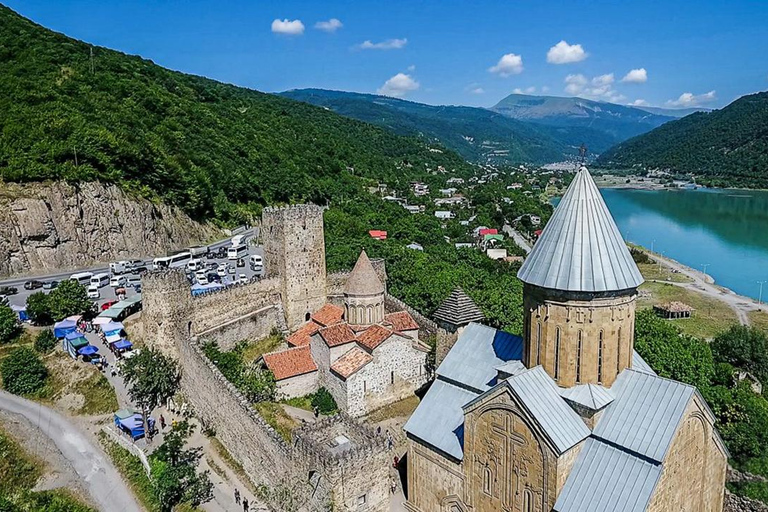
{"points": [[567, 417]]}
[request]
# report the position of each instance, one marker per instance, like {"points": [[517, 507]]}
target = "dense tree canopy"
{"points": [[23, 372]]}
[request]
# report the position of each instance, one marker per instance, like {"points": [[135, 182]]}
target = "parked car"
{"points": [[33, 284], [93, 292], [50, 285], [243, 279], [133, 281], [8, 290], [240, 262], [141, 270], [3, 300], [117, 281], [222, 270], [213, 278], [108, 305]]}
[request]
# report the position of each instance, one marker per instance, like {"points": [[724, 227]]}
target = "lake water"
{"points": [[724, 231]]}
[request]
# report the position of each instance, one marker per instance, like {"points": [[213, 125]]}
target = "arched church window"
{"points": [[528, 501], [557, 353], [487, 478], [578, 356], [307, 316], [538, 343], [600, 357]]}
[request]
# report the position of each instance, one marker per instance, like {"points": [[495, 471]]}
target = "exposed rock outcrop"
{"points": [[59, 226], [735, 503]]}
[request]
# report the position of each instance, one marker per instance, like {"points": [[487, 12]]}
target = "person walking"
{"points": [[237, 497], [162, 427], [245, 504]]}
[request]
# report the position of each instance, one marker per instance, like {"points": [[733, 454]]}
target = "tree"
{"points": [[323, 401], [174, 471], [69, 298], [743, 347], [39, 309], [10, 329], [23, 372], [45, 341], [152, 378]]}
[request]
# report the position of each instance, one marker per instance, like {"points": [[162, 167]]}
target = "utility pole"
{"points": [[653, 242], [704, 268], [760, 296]]}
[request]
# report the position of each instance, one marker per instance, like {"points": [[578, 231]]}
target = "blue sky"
{"points": [[447, 52]]}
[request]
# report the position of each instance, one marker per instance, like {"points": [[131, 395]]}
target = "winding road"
{"points": [[99, 476]]}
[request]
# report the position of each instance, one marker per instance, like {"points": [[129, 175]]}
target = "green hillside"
{"points": [[477, 134], [727, 147], [216, 150]]}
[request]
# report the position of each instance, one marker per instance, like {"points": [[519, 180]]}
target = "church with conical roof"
{"points": [[567, 417]]}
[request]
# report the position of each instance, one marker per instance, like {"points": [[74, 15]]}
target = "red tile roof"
{"points": [[375, 233], [373, 336], [351, 362], [328, 315], [303, 335], [401, 321], [290, 362], [337, 334], [489, 231]]}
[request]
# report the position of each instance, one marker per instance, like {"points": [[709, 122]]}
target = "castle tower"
{"points": [[457, 311], [294, 251], [167, 310], [580, 285], [363, 294]]}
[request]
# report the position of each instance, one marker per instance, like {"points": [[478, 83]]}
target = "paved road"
{"points": [[94, 468], [518, 238]]}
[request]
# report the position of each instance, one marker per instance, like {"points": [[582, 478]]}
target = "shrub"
{"points": [[45, 341], [9, 325], [23, 372], [323, 401], [39, 309]]}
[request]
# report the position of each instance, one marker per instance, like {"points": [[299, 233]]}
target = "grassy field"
{"points": [[759, 319], [400, 409], [256, 349], [81, 388], [710, 315], [132, 470], [274, 414], [654, 271]]}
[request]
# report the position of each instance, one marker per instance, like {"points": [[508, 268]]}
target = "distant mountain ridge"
{"points": [[727, 147], [616, 122], [673, 112]]}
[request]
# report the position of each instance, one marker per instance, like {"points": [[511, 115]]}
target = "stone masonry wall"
{"points": [[216, 308], [253, 326]]}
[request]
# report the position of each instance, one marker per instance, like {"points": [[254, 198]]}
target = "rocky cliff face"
{"points": [[58, 226]]}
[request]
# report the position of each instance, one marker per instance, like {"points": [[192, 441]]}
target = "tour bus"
{"points": [[175, 261], [84, 278], [238, 240], [236, 252], [257, 263], [195, 265], [100, 280]]}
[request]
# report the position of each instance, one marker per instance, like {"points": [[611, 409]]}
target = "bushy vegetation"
{"points": [[45, 341], [256, 384], [216, 150], [39, 309], [323, 402], [67, 299], [10, 328], [23, 372], [727, 147]]}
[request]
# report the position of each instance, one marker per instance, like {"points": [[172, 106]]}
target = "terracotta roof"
{"points": [[401, 321], [375, 233], [337, 334], [358, 327], [458, 309], [374, 336], [328, 315], [290, 362], [303, 335], [351, 362], [363, 280]]}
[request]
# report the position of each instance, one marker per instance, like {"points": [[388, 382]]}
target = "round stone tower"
{"points": [[166, 310], [363, 294], [580, 286]]}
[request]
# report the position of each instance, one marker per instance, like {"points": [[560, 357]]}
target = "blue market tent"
{"points": [[21, 311], [132, 423], [112, 327], [60, 329], [73, 341], [87, 350], [123, 344]]}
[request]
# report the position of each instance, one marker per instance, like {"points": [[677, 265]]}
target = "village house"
{"points": [[444, 214], [420, 189], [455, 181]]}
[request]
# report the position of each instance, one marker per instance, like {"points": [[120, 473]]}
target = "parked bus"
{"points": [[175, 261], [84, 278], [100, 280], [236, 252]]}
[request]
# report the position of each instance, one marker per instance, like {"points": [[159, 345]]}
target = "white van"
{"points": [[201, 277], [117, 281], [100, 280], [119, 267], [195, 265], [93, 292], [257, 263], [236, 252], [84, 278]]}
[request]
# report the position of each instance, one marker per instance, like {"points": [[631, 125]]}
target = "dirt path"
{"points": [[702, 283]]}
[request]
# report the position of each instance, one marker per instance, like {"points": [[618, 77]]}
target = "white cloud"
{"points": [[688, 99], [527, 90], [288, 27], [412, 67], [564, 53], [638, 103], [389, 44], [636, 76], [544, 88], [399, 85], [332, 25], [477, 90], [509, 64], [598, 88]]}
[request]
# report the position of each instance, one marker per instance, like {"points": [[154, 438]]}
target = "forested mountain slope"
{"points": [[728, 147], [216, 150], [477, 134]]}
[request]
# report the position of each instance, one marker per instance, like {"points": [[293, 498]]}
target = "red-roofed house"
{"points": [[294, 371], [377, 234], [488, 231]]}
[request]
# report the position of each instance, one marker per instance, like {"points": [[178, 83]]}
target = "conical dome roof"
{"points": [[363, 280], [458, 309], [581, 249]]}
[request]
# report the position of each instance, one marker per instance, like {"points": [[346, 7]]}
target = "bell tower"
{"points": [[580, 286]]}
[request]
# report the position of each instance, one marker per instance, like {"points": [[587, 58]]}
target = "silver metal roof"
{"points": [[473, 359], [639, 364], [592, 396], [645, 414], [607, 479], [581, 249], [541, 397], [439, 418], [511, 368]]}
